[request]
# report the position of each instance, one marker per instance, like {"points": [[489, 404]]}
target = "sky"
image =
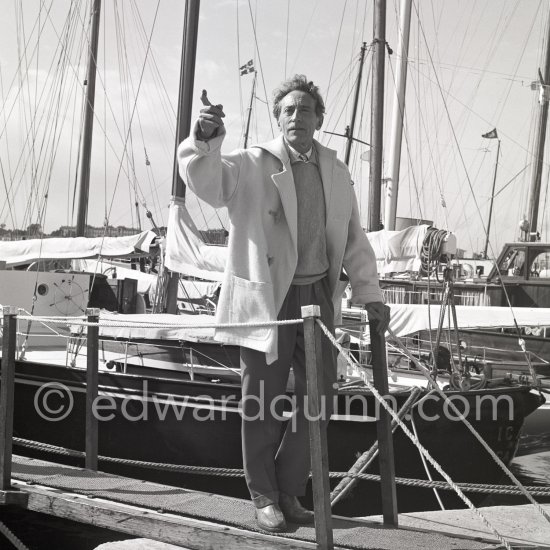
{"points": [[471, 65]]}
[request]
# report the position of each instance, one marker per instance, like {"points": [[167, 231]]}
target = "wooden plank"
{"points": [[317, 435], [383, 428], [7, 395], [163, 527], [92, 366]]}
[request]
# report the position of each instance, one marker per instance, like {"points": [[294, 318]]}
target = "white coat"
{"points": [[257, 187]]}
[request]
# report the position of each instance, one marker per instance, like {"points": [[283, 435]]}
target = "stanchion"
{"points": [[383, 428], [7, 395], [7, 399], [317, 435], [92, 346]]}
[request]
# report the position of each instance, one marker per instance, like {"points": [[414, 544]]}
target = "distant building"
{"points": [[69, 231], [215, 236]]}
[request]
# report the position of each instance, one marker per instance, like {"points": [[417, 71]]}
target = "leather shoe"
{"points": [[270, 518], [293, 511]]}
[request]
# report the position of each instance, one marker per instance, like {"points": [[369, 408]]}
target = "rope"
{"points": [[4, 529], [79, 321], [236, 472], [415, 440], [474, 432]]}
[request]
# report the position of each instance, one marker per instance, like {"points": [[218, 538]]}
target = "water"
{"points": [[532, 469], [42, 532]]}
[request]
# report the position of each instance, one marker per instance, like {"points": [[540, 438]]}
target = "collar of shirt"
{"points": [[298, 157]]}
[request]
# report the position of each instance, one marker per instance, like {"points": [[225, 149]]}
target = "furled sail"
{"points": [[16, 253], [186, 252]]}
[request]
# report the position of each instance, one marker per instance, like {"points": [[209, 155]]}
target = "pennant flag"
{"points": [[247, 68], [490, 135]]}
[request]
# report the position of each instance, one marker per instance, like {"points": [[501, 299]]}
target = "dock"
{"points": [[198, 520]]}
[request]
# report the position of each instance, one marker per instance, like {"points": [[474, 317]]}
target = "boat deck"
{"points": [[194, 519]]}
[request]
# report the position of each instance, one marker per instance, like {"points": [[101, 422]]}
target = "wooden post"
{"points": [[317, 435], [92, 347], [7, 395], [383, 428]]}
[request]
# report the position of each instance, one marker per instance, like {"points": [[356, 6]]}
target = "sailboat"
{"points": [[181, 417], [412, 264]]}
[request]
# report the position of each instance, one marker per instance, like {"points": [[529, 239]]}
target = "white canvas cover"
{"points": [[150, 325], [16, 253], [408, 319], [186, 252], [398, 251]]}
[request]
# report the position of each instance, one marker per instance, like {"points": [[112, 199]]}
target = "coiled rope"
{"points": [[431, 249]]}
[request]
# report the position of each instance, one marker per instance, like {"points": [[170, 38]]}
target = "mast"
{"points": [[88, 123], [351, 127], [187, 82], [377, 115], [534, 192], [250, 110], [491, 205], [183, 128], [392, 186]]}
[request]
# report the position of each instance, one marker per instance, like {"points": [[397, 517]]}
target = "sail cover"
{"points": [[186, 252], [398, 251], [409, 319], [16, 253]]}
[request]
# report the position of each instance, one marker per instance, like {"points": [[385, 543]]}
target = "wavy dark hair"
{"points": [[298, 82]]}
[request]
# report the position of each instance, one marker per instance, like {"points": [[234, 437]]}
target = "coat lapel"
{"points": [[285, 184]]}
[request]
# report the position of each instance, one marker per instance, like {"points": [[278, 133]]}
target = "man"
{"points": [[294, 224]]}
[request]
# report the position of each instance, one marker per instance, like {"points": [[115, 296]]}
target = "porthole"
{"points": [[42, 289]]}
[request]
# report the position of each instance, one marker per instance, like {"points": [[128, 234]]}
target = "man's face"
{"points": [[298, 120]]}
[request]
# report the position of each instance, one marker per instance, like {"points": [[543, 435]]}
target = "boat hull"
{"points": [[186, 422]]}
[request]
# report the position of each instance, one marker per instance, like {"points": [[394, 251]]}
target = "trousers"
{"points": [[276, 455]]}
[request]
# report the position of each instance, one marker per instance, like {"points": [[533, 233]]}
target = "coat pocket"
{"points": [[251, 302]]}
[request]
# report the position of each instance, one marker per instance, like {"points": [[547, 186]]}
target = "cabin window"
{"points": [[513, 264], [540, 264]]}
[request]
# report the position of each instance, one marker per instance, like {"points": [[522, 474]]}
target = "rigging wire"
{"points": [[25, 149], [304, 34], [238, 68], [261, 68], [335, 51], [8, 202], [135, 104], [286, 40], [104, 27]]}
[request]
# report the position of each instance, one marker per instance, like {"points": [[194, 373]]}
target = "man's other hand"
{"points": [[380, 313]]}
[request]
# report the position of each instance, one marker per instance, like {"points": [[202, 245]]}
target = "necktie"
{"points": [[303, 157]]}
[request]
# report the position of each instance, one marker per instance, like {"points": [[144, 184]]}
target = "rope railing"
{"points": [[481, 488], [111, 323]]}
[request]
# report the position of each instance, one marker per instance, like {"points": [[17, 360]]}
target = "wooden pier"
{"points": [[194, 519]]}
